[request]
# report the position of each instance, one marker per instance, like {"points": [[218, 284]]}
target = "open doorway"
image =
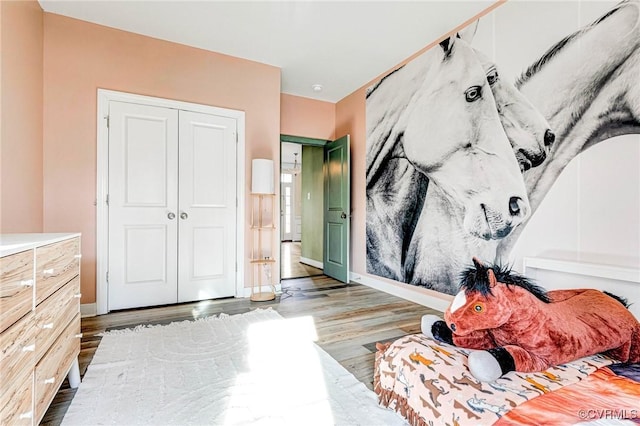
{"points": [[301, 210]]}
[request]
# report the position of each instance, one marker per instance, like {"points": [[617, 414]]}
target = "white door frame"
{"points": [[102, 172]]}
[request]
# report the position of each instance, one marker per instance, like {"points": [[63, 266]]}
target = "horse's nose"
{"points": [[515, 206], [549, 137], [453, 327], [527, 160]]}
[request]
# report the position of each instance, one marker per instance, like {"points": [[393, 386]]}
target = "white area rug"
{"points": [[251, 369]]}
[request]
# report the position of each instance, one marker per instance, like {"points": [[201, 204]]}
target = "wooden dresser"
{"points": [[39, 322]]}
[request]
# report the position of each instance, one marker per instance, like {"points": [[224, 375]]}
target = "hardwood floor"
{"points": [[349, 319], [290, 252]]}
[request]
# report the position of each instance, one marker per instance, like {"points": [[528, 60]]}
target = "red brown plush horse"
{"points": [[518, 326]]}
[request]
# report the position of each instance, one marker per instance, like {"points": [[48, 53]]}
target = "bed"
{"points": [[429, 383]]}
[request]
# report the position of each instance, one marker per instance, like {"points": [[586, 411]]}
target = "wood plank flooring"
{"points": [[349, 319], [291, 267]]}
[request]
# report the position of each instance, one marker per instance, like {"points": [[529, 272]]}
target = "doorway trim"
{"points": [[303, 141], [300, 140], [102, 179]]}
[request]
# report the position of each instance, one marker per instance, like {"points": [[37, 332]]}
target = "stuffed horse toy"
{"points": [[518, 326]]}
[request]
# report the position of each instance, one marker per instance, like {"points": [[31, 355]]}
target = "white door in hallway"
{"points": [[286, 206], [171, 206]]}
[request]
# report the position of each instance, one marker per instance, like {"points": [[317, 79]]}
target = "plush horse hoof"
{"points": [[484, 367], [427, 323]]}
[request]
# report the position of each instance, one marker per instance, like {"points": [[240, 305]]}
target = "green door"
{"points": [[337, 208]]}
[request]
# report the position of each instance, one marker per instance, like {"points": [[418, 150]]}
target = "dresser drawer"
{"points": [[16, 287], [17, 346], [16, 404], [56, 265], [54, 314], [52, 369]]}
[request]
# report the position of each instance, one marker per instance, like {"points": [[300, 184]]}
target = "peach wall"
{"points": [[350, 118], [21, 105], [307, 117], [80, 57]]}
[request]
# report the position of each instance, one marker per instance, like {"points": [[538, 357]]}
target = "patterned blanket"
{"points": [[429, 383]]}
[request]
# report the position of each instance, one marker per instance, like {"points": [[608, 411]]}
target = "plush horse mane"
{"points": [[620, 299], [476, 279]]}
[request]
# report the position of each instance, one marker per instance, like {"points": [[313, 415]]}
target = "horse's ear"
{"points": [[447, 45], [477, 262], [492, 278], [468, 32]]}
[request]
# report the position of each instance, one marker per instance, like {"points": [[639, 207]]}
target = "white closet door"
{"points": [[143, 190], [207, 207]]}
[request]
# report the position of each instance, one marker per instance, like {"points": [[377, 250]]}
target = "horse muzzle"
{"points": [[494, 224], [528, 160]]}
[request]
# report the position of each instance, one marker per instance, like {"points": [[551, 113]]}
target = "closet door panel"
{"points": [[206, 253], [143, 205]]}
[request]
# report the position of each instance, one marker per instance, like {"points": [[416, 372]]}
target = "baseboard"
{"points": [[88, 310], [91, 309], [265, 289], [311, 262], [429, 298]]}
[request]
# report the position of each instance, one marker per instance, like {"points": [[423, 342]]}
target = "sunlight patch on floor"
{"points": [[285, 382], [199, 308]]}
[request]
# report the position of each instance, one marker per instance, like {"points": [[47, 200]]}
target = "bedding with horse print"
{"points": [[429, 383]]}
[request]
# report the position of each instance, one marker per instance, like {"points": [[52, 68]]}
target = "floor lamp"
{"points": [[262, 227]]}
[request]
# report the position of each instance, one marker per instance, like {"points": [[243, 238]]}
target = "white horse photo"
{"points": [[588, 87], [406, 242], [440, 248], [461, 146], [422, 199]]}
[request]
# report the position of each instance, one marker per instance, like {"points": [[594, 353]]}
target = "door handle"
{"points": [[343, 215], [171, 215], [184, 216]]}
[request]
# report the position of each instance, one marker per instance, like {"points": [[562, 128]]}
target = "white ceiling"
{"points": [[341, 45]]}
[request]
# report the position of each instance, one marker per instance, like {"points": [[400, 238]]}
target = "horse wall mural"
{"points": [[459, 156]]}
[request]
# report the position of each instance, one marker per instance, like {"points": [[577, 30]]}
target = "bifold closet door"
{"points": [[172, 206], [207, 206], [143, 200]]}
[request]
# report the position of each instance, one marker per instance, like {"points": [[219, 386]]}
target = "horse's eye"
{"points": [[492, 77], [478, 308], [473, 93]]}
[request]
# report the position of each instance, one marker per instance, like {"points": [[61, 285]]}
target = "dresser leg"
{"points": [[74, 374]]}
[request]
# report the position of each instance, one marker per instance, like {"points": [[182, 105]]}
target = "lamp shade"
{"points": [[262, 176]]}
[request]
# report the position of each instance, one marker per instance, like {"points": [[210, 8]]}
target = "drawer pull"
{"points": [[79, 335], [47, 271], [78, 256], [48, 325], [26, 283], [77, 295], [30, 348], [26, 415], [49, 381]]}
